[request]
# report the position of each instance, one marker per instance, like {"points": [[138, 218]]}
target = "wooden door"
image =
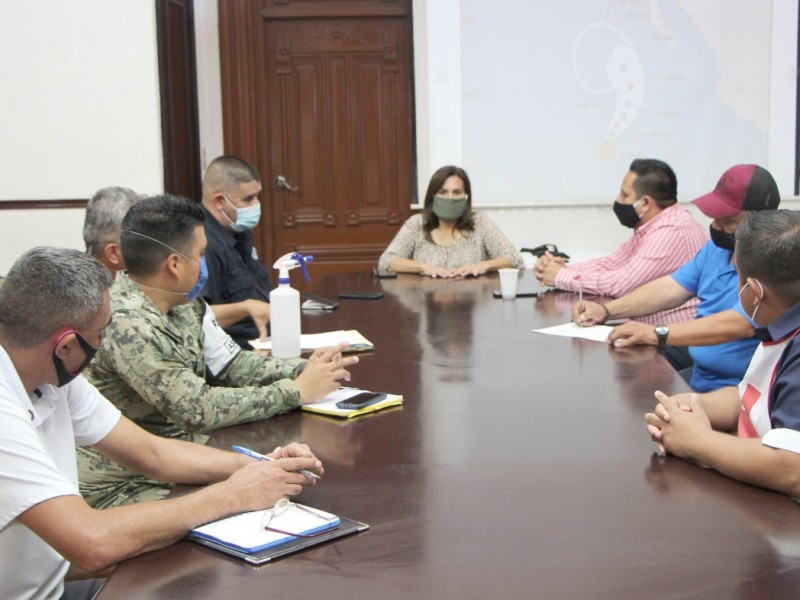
{"points": [[319, 92], [178, 84]]}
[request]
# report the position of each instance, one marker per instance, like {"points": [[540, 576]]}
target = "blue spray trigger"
{"points": [[302, 260]]}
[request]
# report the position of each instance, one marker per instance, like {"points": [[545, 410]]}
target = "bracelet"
{"points": [[608, 313]]}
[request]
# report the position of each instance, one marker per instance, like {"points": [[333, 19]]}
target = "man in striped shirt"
{"points": [[713, 350], [665, 236]]}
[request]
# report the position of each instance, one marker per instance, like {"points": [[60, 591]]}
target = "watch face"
{"points": [[662, 330]]}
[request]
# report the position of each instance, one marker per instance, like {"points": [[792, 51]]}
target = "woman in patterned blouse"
{"points": [[448, 239]]}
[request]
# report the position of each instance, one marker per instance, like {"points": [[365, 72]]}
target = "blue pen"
{"points": [[257, 456]]}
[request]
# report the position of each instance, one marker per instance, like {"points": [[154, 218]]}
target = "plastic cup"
{"points": [[508, 283]]}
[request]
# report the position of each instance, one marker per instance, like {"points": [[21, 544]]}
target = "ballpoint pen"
{"points": [[257, 456]]}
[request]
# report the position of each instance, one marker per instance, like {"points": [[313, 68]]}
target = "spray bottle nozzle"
{"points": [[302, 260], [291, 261]]}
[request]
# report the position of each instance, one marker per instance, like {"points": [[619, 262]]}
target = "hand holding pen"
{"points": [[258, 456]]}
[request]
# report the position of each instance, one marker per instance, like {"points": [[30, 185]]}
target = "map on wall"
{"points": [[559, 97]]}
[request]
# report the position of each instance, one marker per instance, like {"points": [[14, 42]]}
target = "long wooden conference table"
{"points": [[518, 467]]}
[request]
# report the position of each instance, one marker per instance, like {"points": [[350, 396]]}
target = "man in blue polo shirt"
{"points": [[713, 350]]}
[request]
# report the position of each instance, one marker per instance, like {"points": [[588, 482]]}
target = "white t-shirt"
{"points": [[38, 435]]}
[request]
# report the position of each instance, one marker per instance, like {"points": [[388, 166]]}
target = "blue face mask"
{"points": [[201, 280], [246, 218], [752, 317]]}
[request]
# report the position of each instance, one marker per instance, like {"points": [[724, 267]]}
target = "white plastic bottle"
{"points": [[285, 308]]}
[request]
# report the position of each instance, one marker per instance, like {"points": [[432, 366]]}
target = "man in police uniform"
{"points": [[238, 284]]}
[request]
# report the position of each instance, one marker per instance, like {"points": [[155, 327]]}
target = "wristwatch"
{"points": [[662, 331]]}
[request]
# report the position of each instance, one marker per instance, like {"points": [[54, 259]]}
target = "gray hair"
{"points": [[48, 289], [104, 214], [768, 249]]}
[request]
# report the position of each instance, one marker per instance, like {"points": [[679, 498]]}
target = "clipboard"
{"points": [[260, 557]]}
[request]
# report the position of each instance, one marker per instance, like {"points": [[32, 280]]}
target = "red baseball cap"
{"points": [[743, 187]]}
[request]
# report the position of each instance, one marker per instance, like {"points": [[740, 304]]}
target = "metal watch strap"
{"points": [[662, 332]]}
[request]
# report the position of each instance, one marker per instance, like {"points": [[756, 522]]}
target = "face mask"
{"points": [[201, 280], [626, 213], [246, 218], [755, 312], [449, 209], [65, 376], [726, 241]]}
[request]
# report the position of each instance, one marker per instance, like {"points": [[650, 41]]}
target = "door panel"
{"points": [[332, 111], [178, 85]]}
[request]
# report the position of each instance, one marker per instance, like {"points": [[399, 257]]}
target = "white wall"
{"points": [[582, 231], [79, 110], [83, 113], [209, 84]]}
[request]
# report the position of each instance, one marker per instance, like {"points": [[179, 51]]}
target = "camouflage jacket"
{"points": [[177, 375]]}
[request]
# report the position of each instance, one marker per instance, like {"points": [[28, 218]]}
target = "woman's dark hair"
{"points": [[429, 220]]}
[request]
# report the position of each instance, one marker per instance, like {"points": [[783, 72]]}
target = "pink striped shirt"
{"points": [[655, 249]]}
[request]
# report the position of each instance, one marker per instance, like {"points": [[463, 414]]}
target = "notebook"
{"points": [[243, 535], [327, 406], [312, 341]]}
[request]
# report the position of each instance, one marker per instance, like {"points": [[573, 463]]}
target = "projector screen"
{"points": [[558, 97]]}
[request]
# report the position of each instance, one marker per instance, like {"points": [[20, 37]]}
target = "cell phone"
{"points": [[383, 274], [361, 400], [360, 295], [498, 294], [321, 302]]}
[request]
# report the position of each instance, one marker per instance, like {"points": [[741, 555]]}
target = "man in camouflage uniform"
{"points": [[166, 363]]}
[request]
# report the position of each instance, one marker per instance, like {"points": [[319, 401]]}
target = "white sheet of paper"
{"points": [[312, 341], [598, 333]]}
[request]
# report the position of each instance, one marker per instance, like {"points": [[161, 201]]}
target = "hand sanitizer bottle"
{"points": [[284, 303]]}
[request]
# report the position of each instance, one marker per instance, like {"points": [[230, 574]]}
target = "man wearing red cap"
{"points": [[720, 341]]}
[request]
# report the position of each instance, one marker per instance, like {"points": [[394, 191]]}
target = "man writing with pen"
{"points": [[54, 308], [166, 363], [664, 236]]}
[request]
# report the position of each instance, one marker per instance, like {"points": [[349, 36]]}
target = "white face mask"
{"points": [[761, 288]]}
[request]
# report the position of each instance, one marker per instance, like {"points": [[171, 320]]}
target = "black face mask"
{"points": [[726, 241], [64, 376], [626, 213]]}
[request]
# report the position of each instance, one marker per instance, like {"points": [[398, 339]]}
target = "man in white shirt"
{"points": [[53, 309]]}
